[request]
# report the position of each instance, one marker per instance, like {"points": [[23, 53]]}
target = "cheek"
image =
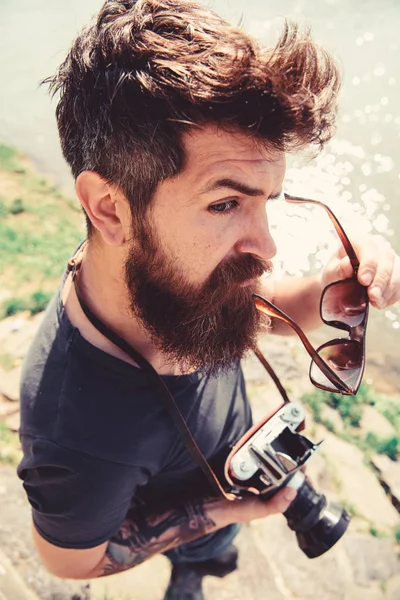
{"points": [[199, 252], [195, 245]]}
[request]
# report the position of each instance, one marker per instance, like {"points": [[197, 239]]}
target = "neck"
{"points": [[102, 287]]}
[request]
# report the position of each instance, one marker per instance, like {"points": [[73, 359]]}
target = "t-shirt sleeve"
{"points": [[78, 501]]}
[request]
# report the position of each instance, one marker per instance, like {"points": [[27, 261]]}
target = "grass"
{"points": [[376, 532], [39, 229], [350, 409], [7, 361], [350, 508], [397, 534]]}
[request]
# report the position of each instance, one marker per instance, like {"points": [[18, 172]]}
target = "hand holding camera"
{"points": [[267, 461]]}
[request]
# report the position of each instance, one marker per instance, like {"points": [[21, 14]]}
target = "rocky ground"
{"points": [[364, 565]]}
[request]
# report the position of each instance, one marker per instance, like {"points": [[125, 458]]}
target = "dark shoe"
{"points": [[220, 566], [185, 584]]}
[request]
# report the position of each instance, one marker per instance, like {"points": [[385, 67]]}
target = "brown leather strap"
{"points": [[272, 373], [166, 396]]}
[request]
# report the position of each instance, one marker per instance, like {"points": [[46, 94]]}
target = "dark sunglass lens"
{"points": [[344, 302], [344, 358]]}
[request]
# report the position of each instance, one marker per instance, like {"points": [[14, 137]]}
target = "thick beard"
{"points": [[199, 328]]}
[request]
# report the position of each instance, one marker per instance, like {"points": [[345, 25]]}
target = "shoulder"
{"points": [[77, 501]]}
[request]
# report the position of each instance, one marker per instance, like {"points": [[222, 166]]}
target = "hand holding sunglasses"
{"points": [[337, 365]]}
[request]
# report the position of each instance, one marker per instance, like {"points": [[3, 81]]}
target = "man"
{"points": [[175, 126]]}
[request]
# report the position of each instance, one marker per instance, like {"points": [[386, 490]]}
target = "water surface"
{"points": [[358, 173]]}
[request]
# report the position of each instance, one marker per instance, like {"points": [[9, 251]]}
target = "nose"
{"points": [[256, 236]]}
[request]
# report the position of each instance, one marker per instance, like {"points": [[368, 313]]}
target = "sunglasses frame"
{"points": [[356, 334]]}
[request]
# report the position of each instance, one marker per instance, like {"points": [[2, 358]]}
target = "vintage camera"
{"points": [[269, 457]]}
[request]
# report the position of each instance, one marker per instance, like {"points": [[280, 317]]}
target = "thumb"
{"points": [[282, 500], [337, 269]]}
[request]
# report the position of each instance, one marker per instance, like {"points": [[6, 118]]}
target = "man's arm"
{"points": [[144, 534], [379, 271], [298, 298]]}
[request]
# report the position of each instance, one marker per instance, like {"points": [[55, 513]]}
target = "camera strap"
{"points": [[166, 396], [171, 406]]}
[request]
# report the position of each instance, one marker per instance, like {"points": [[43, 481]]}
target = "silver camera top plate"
{"points": [[258, 453]]}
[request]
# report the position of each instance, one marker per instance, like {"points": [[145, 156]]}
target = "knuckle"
{"points": [[382, 279]]}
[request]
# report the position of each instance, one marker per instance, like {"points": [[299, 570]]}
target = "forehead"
{"points": [[211, 152]]}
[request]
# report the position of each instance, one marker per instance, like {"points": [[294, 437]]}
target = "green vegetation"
{"points": [[350, 508], [39, 228], [350, 409], [397, 534], [6, 361], [376, 532]]}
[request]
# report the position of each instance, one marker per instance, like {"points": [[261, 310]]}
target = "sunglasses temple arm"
{"points": [[355, 263], [271, 373], [277, 313]]}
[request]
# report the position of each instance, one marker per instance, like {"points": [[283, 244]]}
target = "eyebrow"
{"points": [[238, 186]]}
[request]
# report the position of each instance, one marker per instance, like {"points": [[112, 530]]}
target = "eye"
{"points": [[279, 196], [223, 207]]}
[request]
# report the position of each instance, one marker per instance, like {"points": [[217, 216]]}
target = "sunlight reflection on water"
{"points": [[305, 235], [357, 174]]}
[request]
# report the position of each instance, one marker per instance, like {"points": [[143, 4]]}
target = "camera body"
{"points": [[270, 456]]}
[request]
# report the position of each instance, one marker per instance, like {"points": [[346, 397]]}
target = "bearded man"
{"points": [[175, 126]]}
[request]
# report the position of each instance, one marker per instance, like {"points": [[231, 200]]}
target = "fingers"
{"points": [[337, 268], [282, 500], [391, 291], [251, 508], [380, 271]]}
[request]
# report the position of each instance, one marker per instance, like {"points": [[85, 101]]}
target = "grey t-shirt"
{"points": [[97, 438]]}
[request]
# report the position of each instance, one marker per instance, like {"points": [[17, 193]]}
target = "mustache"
{"points": [[240, 269]]}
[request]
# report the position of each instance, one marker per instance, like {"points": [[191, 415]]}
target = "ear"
{"points": [[106, 207]]}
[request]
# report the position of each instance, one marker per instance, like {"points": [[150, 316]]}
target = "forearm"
{"points": [[144, 534], [300, 299]]}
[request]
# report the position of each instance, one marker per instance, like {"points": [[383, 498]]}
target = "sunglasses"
{"points": [[337, 365]]}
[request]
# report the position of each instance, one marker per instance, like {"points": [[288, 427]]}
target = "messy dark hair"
{"points": [[148, 70]]}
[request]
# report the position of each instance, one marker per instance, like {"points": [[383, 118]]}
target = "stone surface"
{"points": [[16, 333], [330, 414], [270, 564], [16, 543], [359, 486], [359, 567], [7, 408], [389, 473], [13, 422], [255, 578], [145, 582], [9, 383], [302, 578], [12, 586], [372, 559], [393, 588], [149, 581], [372, 420]]}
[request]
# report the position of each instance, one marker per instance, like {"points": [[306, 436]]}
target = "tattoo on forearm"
{"points": [[144, 534]]}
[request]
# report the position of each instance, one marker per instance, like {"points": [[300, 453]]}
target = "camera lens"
{"points": [[317, 523]]}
